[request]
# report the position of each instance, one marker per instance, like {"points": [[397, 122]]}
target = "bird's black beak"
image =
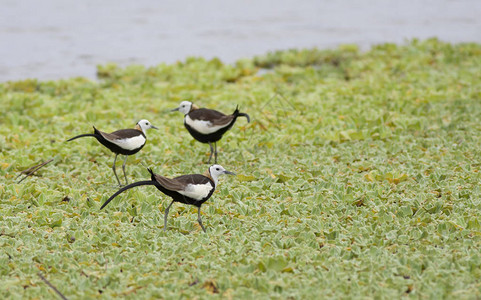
{"points": [[229, 173], [176, 109], [152, 126]]}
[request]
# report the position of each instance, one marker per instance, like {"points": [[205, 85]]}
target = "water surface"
{"points": [[52, 39]]}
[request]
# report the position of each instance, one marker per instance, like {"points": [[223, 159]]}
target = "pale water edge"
{"points": [[55, 39]]}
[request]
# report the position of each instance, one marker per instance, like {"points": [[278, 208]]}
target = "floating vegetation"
{"points": [[357, 177]]}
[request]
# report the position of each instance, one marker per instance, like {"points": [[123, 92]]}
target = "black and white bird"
{"points": [[207, 125], [193, 189], [124, 141]]}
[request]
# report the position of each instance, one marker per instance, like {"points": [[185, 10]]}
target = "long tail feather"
{"points": [[237, 114], [132, 185], [245, 115], [82, 135]]}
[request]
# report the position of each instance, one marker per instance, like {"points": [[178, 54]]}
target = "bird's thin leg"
{"points": [[166, 214], [199, 219], [113, 168], [211, 152], [215, 151], [123, 168]]}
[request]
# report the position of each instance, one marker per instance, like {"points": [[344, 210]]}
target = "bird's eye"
{"points": [[217, 169], [147, 123]]}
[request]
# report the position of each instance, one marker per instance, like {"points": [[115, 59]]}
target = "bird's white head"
{"points": [[216, 170], [144, 125], [184, 107]]}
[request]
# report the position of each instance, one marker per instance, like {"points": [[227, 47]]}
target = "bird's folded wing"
{"points": [[224, 120], [216, 118], [120, 134], [170, 184]]}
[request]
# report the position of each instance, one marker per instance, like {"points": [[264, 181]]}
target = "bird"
{"points": [[124, 141], [192, 189], [207, 125]]}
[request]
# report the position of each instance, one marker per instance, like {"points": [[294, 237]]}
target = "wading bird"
{"points": [[124, 141], [207, 125], [193, 189]]}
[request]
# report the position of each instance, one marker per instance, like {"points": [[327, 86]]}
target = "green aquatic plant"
{"points": [[358, 177]]}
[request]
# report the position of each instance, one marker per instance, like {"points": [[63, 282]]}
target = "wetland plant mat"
{"points": [[358, 177]]}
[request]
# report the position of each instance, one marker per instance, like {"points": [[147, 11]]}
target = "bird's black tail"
{"points": [[96, 135], [239, 114], [132, 185], [152, 177], [82, 135]]}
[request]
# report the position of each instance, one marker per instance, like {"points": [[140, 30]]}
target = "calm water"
{"points": [[52, 39]]}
